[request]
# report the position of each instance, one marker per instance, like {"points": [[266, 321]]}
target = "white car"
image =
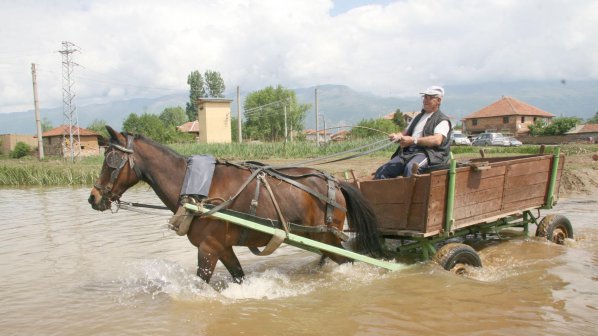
{"points": [[460, 140], [491, 139], [514, 142]]}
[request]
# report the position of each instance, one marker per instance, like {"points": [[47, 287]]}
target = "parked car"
{"points": [[514, 142], [460, 139], [491, 139]]}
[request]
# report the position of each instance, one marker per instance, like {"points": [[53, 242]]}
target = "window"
{"points": [[535, 119], [505, 120], [474, 122], [522, 120]]}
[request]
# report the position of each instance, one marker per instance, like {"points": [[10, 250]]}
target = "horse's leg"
{"points": [[207, 258], [232, 264]]}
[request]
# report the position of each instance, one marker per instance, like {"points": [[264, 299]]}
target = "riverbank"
{"points": [[580, 175]]}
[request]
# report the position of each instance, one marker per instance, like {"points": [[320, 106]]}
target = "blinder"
{"points": [[116, 158]]}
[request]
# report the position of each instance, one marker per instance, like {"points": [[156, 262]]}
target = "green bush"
{"points": [[21, 149]]}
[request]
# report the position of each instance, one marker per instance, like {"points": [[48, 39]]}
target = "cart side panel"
{"points": [[399, 203], [527, 183], [477, 193]]}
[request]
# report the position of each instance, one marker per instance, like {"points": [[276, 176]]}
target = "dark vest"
{"points": [[436, 155]]}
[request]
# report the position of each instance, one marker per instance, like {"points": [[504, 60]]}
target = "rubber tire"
{"points": [[555, 228], [453, 256]]}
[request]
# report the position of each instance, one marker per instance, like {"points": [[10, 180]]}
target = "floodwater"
{"points": [[66, 269]]}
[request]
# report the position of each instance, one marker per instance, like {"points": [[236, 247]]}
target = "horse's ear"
{"points": [[115, 136]]}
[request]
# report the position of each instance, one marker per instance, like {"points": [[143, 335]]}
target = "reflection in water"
{"points": [[70, 270]]}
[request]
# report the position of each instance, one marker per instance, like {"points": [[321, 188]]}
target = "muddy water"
{"points": [[68, 270]]}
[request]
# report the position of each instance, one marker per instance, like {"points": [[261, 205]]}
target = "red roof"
{"points": [[508, 106], [189, 127], [589, 128], [64, 130]]}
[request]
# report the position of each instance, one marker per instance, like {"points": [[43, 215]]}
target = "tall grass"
{"points": [[52, 172]]}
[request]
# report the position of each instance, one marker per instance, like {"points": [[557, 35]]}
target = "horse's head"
{"points": [[118, 171]]}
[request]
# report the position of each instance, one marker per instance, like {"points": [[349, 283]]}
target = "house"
{"points": [[407, 116], [310, 135], [506, 115], [191, 127], [585, 132], [9, 141], [57, 142], [214, 119]]}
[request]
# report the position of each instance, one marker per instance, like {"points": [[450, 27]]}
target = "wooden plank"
{"points": [[391, 215], [417, 217], [396, 190], [474, 197], [485, 207], [528, 168], [531, 202], [525, 192], [529, 179]]}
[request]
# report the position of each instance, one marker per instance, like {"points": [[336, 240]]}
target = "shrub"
{"points": [[21, 149]]}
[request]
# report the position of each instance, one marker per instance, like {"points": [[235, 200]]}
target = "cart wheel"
{"points": [[454, 256], [555, 228]]}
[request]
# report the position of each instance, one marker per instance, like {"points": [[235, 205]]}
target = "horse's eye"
{"points": [[113, 160]]}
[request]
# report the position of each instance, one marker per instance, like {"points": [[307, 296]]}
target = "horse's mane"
{"points": [[159, 146]]}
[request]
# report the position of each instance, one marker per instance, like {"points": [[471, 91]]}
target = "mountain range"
{"points": [[339, 104]]}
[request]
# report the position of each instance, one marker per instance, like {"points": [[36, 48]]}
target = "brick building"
{"points": [[507, 115]]}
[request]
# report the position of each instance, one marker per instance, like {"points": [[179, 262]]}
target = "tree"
{"points": [[46, 125], [149, 125], [374, 127], [99, 126], [21, 149], [214, 84], [265, 117], [558, 126], [399, 119], [196, 91], [210, 84], [173, 116], [594, 119]]}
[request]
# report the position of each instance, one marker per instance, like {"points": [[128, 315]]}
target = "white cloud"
{"points": [[147, 48]]}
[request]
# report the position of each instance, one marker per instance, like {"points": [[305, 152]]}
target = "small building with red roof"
{"points": [[57, 141], [506, 115]]}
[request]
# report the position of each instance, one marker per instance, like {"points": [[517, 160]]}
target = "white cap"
{"points": [[433, 91]]}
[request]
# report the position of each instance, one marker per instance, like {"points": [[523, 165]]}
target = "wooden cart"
{"points": [[480, 196]]}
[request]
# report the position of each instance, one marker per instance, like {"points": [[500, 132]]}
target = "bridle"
{"points": [[116, 158]]}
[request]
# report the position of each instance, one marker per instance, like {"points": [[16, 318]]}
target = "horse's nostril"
{"points": [[91, 199]]}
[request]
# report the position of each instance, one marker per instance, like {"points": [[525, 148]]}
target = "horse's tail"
{"points": [[362, 219]]}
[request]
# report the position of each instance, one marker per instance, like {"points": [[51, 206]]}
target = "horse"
{"points": [[130, 159]]}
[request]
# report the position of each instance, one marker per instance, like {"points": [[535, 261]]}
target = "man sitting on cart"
{"points": [[425, 142]]}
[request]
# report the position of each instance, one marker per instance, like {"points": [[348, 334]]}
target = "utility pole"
{"points": [[239, 115], [316, 109], [38, 123], [285, 123], [69, 109]]}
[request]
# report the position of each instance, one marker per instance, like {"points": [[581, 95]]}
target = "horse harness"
{"points": [[259, 172], [116, 158]]}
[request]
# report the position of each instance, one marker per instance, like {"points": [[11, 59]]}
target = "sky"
{"points": [[147, 48]]}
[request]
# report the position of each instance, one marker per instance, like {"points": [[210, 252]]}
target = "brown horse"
{"points": [[130, 159]]}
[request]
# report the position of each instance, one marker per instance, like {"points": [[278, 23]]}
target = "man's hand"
{"points": [[395, 137], [406, 141]]}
